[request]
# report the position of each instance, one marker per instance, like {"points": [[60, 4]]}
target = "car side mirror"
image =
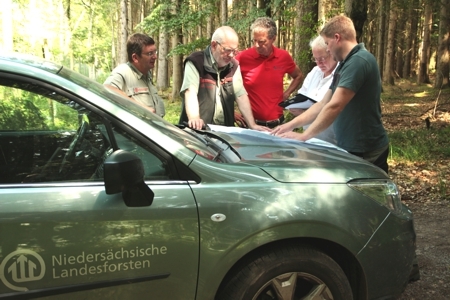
{"points": [[124, 173]]}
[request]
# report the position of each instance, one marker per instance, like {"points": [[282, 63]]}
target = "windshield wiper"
{"points": [[207, 136]]}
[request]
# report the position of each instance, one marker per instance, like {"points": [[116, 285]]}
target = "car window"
{"points": [[47, 137]]}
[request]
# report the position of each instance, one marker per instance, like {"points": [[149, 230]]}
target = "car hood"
{"points": [[288, 160]]}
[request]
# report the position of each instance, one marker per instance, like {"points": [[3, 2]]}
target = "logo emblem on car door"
{"points": [[21, 266]]}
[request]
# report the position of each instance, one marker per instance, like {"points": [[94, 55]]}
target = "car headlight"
{"points": [[384, 192]]}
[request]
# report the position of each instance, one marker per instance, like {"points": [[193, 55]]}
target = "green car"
{"points": [[102, 199]]}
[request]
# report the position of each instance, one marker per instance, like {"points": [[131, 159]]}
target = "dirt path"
{"points": [[425, 186], [432, 223]]}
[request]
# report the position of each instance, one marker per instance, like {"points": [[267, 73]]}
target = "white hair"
{"points": [[318, 43]]}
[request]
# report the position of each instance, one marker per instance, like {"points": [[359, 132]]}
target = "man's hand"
{"points": [[286, 95], [260, 128], [239, 120], [197, 124], [282, 129], [292, 135], [296, 111]]}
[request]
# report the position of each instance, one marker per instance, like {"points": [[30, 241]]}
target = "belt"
{"points": [[271, 123]]}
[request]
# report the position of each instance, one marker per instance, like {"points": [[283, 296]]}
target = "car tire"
{"points": [[287, 273]]}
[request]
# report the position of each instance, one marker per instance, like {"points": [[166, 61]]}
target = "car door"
{"points": [[61, 235]]}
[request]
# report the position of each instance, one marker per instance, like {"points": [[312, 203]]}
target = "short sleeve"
{"points": [[116, 80], [191, 78], [238, 84]]}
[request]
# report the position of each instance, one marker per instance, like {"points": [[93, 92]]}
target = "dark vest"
{"points": [[207, 89]]}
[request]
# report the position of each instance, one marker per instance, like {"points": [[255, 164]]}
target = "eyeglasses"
{"points": [[259, 42], [320, 59], [151, 53], [228, 51]]}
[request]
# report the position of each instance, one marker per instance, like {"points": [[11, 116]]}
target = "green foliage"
{"points": [[419, 144], [173, 111], [307, 32], [16, 115], [196, 45], [165, 17], [22, 110]]}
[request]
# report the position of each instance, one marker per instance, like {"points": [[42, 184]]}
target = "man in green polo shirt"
{"points": [[353, 101]]}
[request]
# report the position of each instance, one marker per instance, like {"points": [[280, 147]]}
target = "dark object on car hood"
{"points": [[299, 98]]}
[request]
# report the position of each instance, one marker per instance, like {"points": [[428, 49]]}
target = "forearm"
{"points": [[115, 89], [305, 118], [330, 110], [191, 104], [322, 122], [295, 83], [119, 91], [297, 79], [245, 108], [308, 116]]}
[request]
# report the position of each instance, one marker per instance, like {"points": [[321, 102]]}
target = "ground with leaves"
{"points": [[425, 185]]}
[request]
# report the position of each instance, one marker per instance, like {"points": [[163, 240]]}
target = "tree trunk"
{"points": [[7, 25], [303, 23], [162, 82], [177, 59], [223, 12], [327, 9], [426, 45], [90, 41], [209, 26], [442, 70], [130, 18], [177, 66], [357, 11], [265, 4], [123, 33], [406, 71], [380, 35], [388, 71], [400, 42], [414, 38], [370, 30]]}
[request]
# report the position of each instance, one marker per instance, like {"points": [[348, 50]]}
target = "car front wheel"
{"points": [[287, 273]]}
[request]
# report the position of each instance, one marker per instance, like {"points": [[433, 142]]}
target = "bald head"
{"points": [[225, 34], [224, 45]]}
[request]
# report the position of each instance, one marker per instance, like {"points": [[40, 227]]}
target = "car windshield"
{"points": [[210, 148]]}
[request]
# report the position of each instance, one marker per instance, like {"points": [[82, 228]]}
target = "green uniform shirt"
{"points": [[130, 80], [358, 127]]}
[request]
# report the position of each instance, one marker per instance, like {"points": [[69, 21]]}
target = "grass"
{"points": [[419, 144], [173, 111], [406, 106]]}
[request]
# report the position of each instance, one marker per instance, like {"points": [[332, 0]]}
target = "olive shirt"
{"points": [[358, 127], [131, 81]]}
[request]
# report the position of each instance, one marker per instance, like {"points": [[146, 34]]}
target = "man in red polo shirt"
{"points": [[263, 68]]}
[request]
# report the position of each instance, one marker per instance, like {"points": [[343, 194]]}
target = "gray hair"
{"points": [[265, 23], [318, 43], [223, 33]]}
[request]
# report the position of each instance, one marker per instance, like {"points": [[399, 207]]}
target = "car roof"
{"points": [[30, 60]]}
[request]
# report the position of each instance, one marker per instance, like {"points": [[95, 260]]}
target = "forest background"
{"points": [[409, 38]]}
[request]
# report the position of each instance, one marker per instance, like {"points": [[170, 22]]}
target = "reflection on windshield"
{"points": [[163, 126], [119, 100]]}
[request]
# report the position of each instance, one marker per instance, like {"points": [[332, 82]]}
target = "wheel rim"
{"points": [[294, 286]]}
